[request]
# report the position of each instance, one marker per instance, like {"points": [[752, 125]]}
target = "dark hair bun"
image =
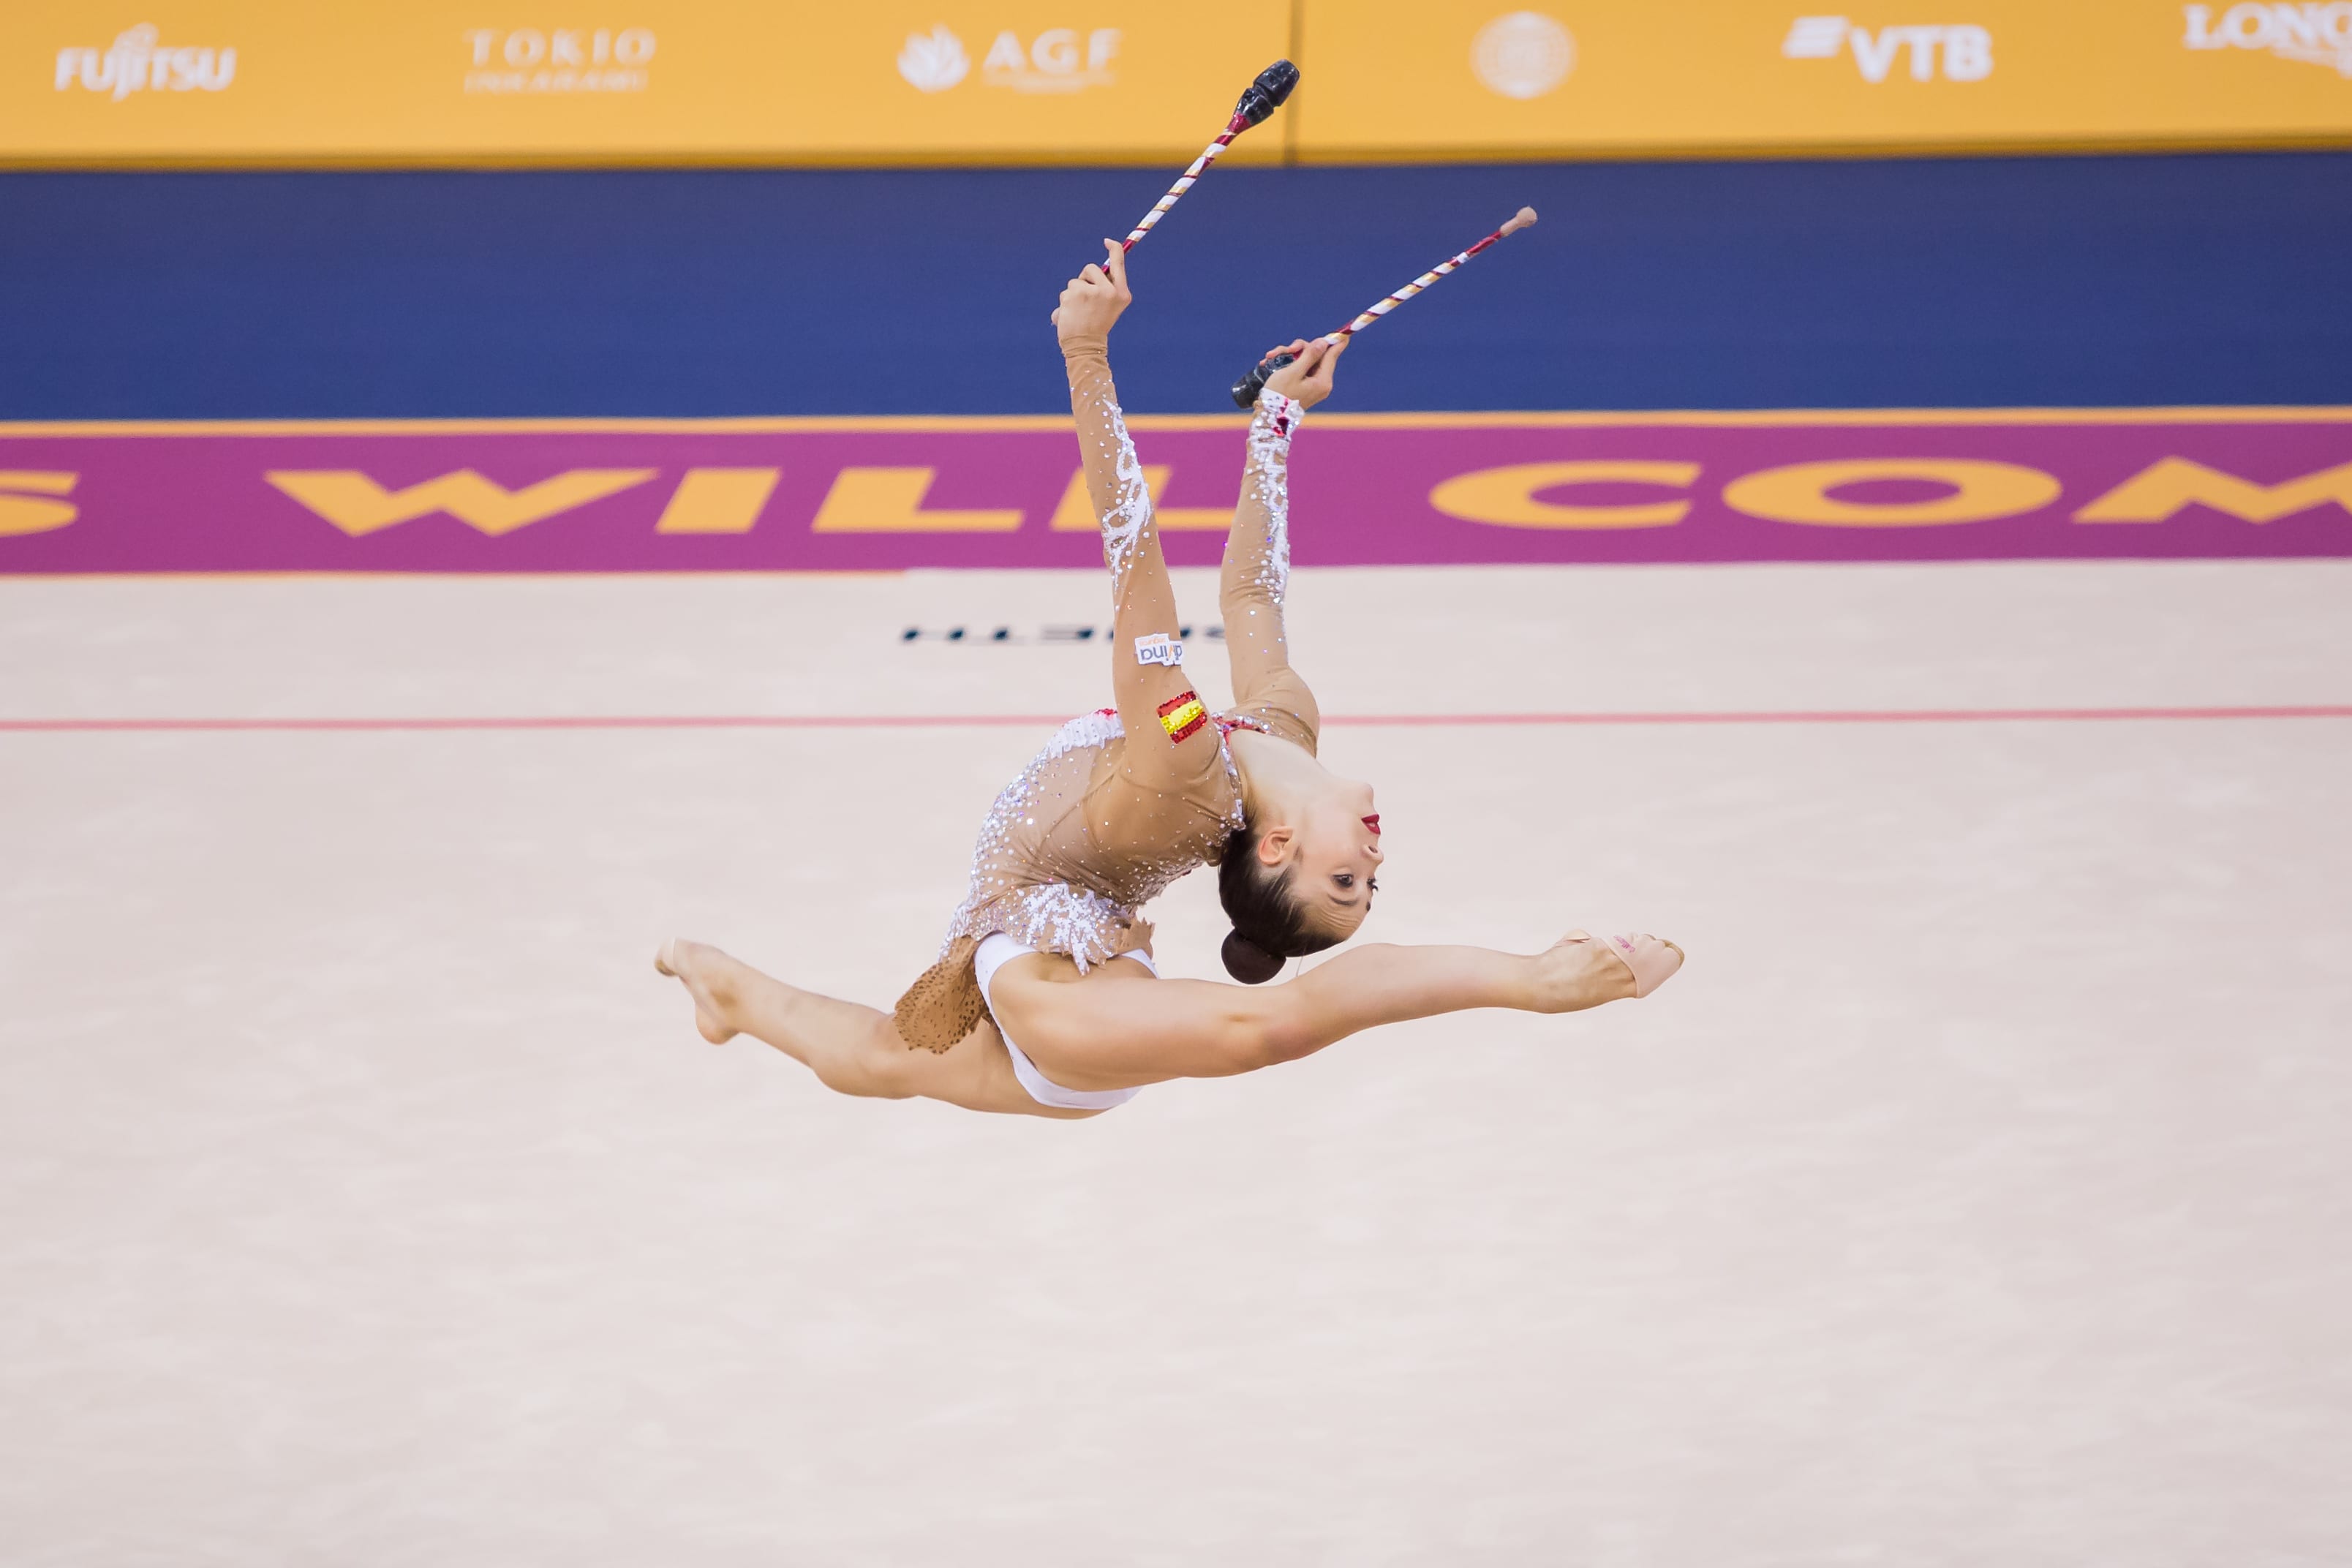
{"points": [[1248, 963]]}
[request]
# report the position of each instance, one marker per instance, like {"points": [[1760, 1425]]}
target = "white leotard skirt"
{"points": [[993, 953]]}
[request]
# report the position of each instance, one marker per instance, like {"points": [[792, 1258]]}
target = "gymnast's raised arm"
{"points": [[1258, 551], [1170, 741]]}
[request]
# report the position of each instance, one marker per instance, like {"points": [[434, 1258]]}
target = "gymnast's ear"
{"points": [[1274, 847]]}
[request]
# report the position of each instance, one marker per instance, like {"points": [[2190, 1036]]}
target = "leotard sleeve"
{"points": [[1171, 745], [1257, 575]]}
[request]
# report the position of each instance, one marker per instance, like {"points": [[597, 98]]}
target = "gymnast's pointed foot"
{"points": [[702, 970], [1651, 960], [1583, 970]]}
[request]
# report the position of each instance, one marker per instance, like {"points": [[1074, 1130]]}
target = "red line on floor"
{"points": [[1039, 721]]}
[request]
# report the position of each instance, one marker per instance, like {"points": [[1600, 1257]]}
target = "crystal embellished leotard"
{"points": [[1122, 802]]}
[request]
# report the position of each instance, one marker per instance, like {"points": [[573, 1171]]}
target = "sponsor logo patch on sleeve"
{"points": [[1158, 648]]}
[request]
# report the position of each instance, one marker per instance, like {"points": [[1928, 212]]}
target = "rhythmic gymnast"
{"points": [[1045, 1001]]}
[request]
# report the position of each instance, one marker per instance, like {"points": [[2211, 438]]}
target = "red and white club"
{"points": [[1264, 96], [1246, 389]]}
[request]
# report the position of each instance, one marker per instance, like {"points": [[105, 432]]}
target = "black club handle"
{"points": [[1246, 389]]}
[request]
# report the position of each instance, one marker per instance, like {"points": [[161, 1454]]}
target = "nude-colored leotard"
{"points": [[1115, 808]]}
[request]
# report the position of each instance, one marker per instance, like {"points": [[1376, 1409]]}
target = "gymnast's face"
{"points": [[1334, 853]]}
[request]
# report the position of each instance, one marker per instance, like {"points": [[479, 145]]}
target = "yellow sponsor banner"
{"points": [[1404, 78], [621, 81], [1082, 81]]}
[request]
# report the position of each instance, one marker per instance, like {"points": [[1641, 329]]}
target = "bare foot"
{"points": [[701, 970], [1583, 970]]}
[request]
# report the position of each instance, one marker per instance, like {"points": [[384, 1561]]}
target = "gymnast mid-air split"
{"points": [[1046, 1000]]}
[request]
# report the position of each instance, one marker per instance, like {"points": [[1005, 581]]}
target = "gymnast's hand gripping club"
{"points": [[1246, 389], [1263, 97]]}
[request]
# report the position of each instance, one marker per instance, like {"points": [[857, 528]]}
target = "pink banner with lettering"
{"points": [[883, 494]]}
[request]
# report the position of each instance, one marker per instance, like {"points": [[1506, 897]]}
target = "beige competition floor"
{"points": [[1981, 1195]]}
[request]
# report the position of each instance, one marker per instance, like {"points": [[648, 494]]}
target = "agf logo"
{"points": [[1059, 59]]}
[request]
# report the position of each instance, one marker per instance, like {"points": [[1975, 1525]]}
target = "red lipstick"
{"points": [[1373, 822]]}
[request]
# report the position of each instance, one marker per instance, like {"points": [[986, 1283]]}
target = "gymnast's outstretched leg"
{"points": [[1122, 1034], [1116, 1028], [852, 1048]]}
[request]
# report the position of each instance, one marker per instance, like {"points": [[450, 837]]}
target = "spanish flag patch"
{"points": [[1182, 717]]}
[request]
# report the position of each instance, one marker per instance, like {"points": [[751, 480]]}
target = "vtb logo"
{"points": [[1059, 60], [1966, 51]]}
